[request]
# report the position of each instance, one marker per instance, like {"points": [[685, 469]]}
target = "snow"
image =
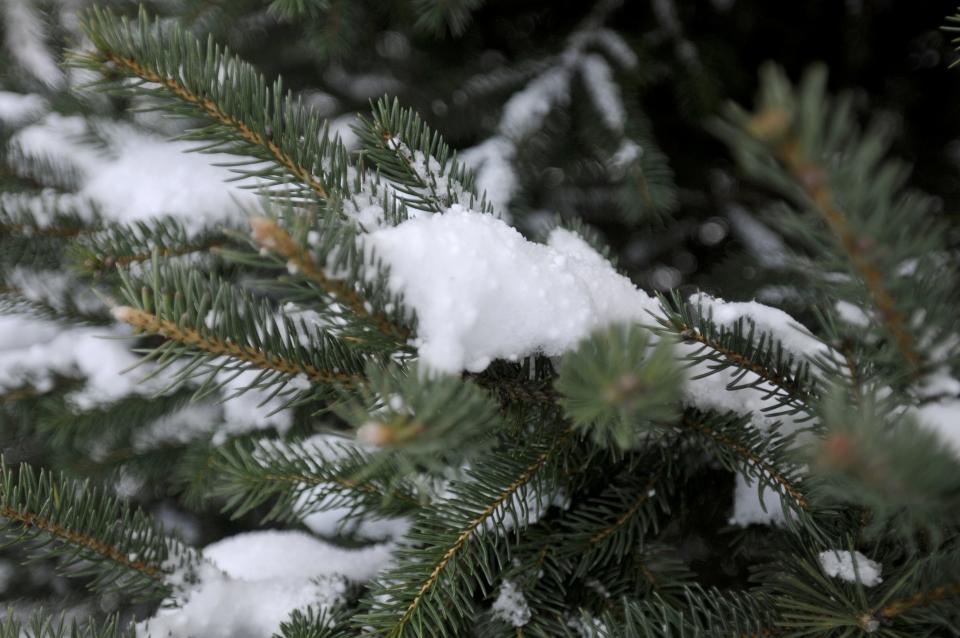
{"points": [[270, 555], [261, 577], [140, 175], [25, 41], [795, 338], [943, 417], [481, 291], [16, 108], [598, 78], [852, 314], [98, 355], [751, 509], [846, 565], [511, 605]]}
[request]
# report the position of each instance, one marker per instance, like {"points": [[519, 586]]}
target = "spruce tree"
{"points": [[323, 318]]}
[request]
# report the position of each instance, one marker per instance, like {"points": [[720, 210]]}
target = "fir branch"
{"points": [[743, 449], [190, 337], [423, 423], [770, 126], [125, 244], [270, 235], [244, 115], [416, 160], [219, 327], [43, 625], [301, 477], [93, 534], [427, 594], [704, 613], [921, 599], [743, 348], [615, 383]]}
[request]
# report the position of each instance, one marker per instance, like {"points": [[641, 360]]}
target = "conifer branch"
{"points": [[150, 323], [245, 116], [42, 625], [743, 348], [268, 234], [301, 480], [921, 599], [723, 432], [770, 126], [93, 533], [470, 529], [426, 595]]}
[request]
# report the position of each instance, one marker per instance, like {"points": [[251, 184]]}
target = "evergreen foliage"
{"points": [[680, 466]]}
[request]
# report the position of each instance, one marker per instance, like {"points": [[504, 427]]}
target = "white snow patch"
{"points": [[598, 79], [16, 108], [140, 175], [481, 291], [795, 338], [846, 565], [749, 508], [943, 417], [24, 35], [511, 605], [261, 577], [272, 555]]}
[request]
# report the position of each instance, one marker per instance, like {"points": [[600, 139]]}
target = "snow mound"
{"points": [[481, 291], [845, 566], [261, 578]]}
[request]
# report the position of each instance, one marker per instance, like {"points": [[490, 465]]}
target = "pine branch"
{"points": [[789, 383], [862, 219], [457, 544], [244, 116], [878, 457], [764, 458], [43, 625], [90, 532], [315, 624], [303, 477], [271, 236], [424, 423], [220, 327], [126, 244], [615, 382], [704, 613], [416, 160]]}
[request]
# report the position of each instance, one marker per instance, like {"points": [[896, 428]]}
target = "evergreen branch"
{"points": [[428, 592], [742, 448], [126, 244], [42, 625], [615, 382], [704, 613], [244, 115], [416, 160], [744, 348], [315, 624], [880, 458], [91, 532], [303, 477], [268, 234], [812, 178], [220, 327], [862, 218], [921, 599], [149, 323], [423, 423]]}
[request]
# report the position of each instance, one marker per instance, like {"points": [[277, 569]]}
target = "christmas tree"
{"points": [[437, 318]]}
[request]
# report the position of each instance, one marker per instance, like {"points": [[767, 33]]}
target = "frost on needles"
{"points": [[425, 421]]}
